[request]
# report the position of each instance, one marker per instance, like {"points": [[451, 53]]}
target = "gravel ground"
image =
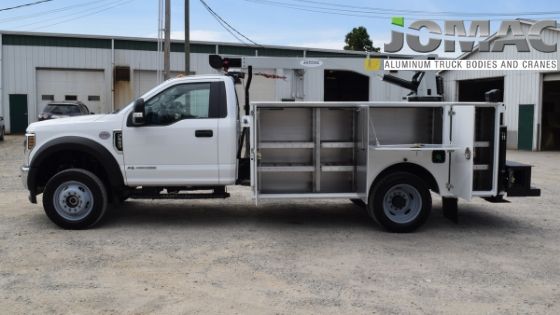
{"points": [[231, 257]]}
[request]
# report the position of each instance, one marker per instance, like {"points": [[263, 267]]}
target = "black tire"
{"points": [[95, 197], [358, 202], [407, 200], [2, 133]]}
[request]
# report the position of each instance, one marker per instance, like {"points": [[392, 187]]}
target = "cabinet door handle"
{"points": [[204, 133]]}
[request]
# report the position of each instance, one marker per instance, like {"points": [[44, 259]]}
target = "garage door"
{"points": [[66, 85]]}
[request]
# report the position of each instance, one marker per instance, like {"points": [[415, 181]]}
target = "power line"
{"points": [[103, 8], [26, 5], [314, 9], [381, 13], [230, 29], [429, 13], [226, 25], [43, 13]]}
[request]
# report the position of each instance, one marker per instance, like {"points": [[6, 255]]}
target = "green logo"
{"points": [[398, 21]]}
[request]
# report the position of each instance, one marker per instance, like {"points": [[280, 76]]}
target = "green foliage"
{"points": [[358, 40]]}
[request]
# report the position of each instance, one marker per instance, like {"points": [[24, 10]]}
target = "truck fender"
{"points": [[77, 144], [408, 167]]}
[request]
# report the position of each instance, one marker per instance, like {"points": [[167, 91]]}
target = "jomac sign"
{"points": [[477, 29]]}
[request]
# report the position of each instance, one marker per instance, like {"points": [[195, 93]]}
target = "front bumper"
{"points": [[24, 172]]}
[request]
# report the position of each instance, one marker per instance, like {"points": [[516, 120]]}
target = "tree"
{"points": [[358, 39]]}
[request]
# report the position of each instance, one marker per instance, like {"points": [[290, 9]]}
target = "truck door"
{"points": [[461, 160], [178, 145]]}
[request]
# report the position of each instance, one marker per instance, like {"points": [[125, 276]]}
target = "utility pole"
{"points": [[187, 39], [167, 40]]}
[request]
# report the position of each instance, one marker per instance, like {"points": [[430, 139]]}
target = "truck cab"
{"points": [[181, 135]]}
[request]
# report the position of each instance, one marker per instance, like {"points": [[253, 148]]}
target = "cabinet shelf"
{"points": [[331, 167], [337, 145], [482, 144], [285, 167], [481, 167], [286, 145]]}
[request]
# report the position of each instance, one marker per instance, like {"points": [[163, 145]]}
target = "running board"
{"points": [[219, 194], [222, 195]]}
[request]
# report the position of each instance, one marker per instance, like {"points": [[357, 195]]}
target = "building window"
{"points": [[94, 98], [47, 97], [71, 97], [122, 73]]}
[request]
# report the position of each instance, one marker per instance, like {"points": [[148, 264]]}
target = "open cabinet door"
{"points": [[361, 147], [461, 160]]}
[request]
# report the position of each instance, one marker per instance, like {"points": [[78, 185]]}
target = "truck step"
{"points": [[214, 195], [181, 196]]}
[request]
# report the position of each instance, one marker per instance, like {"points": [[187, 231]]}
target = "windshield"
{"points": [[60, 109]]}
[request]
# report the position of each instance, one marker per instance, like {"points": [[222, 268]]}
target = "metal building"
{"points": [[106, 73], [532, 98]]}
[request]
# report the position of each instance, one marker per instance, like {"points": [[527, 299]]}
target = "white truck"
{"points": [[186, 139]]}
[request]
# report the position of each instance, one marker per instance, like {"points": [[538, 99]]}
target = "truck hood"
{"points": [[71, 122]]}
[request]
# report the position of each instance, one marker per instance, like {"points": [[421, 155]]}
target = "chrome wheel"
{"points": [[73, 200], [402, 203]]}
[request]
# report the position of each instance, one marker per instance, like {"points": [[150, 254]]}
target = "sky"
{"points": [[263, 21]]}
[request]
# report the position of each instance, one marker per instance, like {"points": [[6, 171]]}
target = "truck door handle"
{"points": [[204, 133]]}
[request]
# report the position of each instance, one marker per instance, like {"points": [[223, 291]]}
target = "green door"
{"points": [[525, 127], [18, 113]]}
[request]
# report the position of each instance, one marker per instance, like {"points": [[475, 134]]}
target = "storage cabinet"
{"points": [[307, 150]]}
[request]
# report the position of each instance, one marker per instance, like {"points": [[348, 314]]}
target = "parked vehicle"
{"points": [[184, 136], [2, 128], [64, 109]]}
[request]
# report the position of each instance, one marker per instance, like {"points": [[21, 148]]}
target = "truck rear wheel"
{"points": [[400, 202], [75, 199]]}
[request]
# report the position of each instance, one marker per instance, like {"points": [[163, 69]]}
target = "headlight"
{"points": [[29, 141]]}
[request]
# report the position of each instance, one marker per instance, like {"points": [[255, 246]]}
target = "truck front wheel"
{"points": [[400, 202], [75, 199]]}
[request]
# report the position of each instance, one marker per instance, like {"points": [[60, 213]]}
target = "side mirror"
{"points": [[138, 113]]}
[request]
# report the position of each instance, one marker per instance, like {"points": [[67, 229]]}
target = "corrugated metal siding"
{"points": [[52, 41], [327, 54], [195, 48], [24, 54], [151, 45], [135, 45], [275, 52], [147, 60], [235, 50], [24, 60], [520, 87], [19, 75]]}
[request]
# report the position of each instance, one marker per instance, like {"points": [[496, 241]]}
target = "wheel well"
{"points": [[66, 159], [412, 168], [74, 152]]}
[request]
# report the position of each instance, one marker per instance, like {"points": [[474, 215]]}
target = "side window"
{"points": [[184, 101], [73, 110]]}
